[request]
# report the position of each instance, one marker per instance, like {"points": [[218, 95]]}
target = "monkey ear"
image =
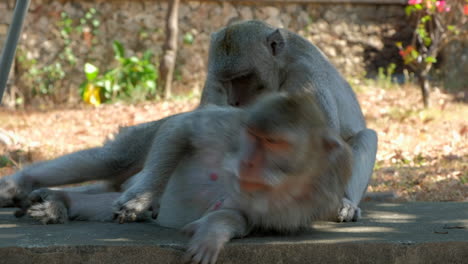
{"points": [[275, 42]]}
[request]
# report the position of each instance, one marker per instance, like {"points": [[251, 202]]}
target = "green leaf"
{"points": [[134, 59], [426, 18], [409, 9], [96, 23], [119, 50], [188, 38], [151, 84], [147, 56], [430, 59], [421, 31], [427, 41], [91, 71]]}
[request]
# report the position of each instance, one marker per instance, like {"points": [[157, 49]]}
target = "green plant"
{"points": [[42, 79], [5, 161], [384, 76], [133, 78]]}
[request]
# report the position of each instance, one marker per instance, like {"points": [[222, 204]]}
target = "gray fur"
{"points": [[243, 66], [214, 211]]}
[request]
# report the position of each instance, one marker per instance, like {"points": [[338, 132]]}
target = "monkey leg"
{"points": [[364, 147], [114, 163], [57, 207], [167, 149], [91, 164]]}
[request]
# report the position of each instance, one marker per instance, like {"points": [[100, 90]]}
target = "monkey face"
{"points": [[243, 57]]}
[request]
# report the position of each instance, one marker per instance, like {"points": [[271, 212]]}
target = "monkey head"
{"points": [[284, 144], [246, 59]]}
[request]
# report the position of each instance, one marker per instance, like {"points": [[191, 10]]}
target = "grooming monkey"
{"points": [[250, 59], [219, 172]]}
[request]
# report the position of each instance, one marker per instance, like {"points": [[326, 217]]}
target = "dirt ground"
{"points": [[423, 154]]}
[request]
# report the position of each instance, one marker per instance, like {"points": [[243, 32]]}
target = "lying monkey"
{"points": [[218, 173]]}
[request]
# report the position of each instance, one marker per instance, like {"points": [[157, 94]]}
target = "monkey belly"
{"points": [[193, 189]]}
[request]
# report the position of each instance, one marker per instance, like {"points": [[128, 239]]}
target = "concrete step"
{"points": [[420, 232]]}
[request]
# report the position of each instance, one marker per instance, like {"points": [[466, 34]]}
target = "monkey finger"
{"points": [[154, 215], [133, 217], [121, 219], [115, 216], [214, 257], [200, 254], [187, 258]]}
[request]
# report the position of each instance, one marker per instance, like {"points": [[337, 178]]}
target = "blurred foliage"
{"points": [[44, 79], [438, 22], [133, 79], [384, 76]]}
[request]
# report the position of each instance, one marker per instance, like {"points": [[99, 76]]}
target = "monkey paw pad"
{"points": [[348, 212], [49, 212]]}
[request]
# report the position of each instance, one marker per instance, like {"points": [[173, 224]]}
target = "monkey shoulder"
{"points": [[215, 125]]}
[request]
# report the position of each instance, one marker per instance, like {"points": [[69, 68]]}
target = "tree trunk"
{"points": [[425, 89], [167, 63]]}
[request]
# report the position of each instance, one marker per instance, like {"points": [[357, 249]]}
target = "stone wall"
{"points": [[359, 38]]}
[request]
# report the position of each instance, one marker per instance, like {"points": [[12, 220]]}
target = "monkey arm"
{"points": [[169, 147], [211, 232]]}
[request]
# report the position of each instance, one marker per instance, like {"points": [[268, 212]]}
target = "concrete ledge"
{"points": [[388, 233]]}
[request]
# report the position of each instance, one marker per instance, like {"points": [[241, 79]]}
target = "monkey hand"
{"points": [[47, 206], [129, 207], [206, 241], [348, 211]]}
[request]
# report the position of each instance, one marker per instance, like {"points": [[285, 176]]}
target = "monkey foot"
{"points": [[133, 209], [348, 212], [48, 207]]}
